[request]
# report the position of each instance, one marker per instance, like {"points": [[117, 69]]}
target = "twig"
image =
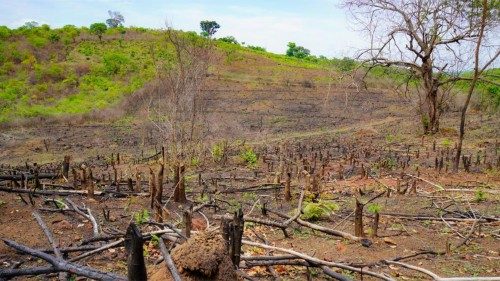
{"points": [[50, 237]]}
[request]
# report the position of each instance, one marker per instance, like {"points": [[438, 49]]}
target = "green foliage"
{"points": [[2, 203], [315, 211], [229, 39], [195, 161], [209, 28], [37, 41], [115, 63], [54, 37], [141, 217], [297, 51], [217, 152], [446, 142], [70, 32], [98, 29], [155, 239], [249, 156], [374, 208], [4, 32], [480, 196], [257, 48]]}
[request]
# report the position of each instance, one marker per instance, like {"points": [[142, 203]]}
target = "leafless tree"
{"points": [[431, 40], [176, 108], [486, 17]]}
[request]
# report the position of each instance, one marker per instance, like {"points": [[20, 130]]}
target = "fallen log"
{"points": [[27, 176], [317, 261], [438, 278], [62, 265]]}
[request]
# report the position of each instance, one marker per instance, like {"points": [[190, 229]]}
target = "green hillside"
{"points": [[67, 71]]}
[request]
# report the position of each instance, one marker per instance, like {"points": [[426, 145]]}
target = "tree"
{"points": [[71, 32], [209, 28], [229, 39], [297, 51], [30, 25], [486, 16], [116, 19], [98, 29], [176, 107], [426, 38]]}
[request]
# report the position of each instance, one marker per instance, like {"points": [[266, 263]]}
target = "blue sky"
{"points": [[319, 25]]}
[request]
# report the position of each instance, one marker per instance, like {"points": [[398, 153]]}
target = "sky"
{"points": [[322, 26]]}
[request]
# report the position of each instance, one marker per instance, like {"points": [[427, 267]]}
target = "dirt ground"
{"points": [[375, 128]]}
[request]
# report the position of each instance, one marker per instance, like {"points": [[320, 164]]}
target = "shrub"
{"points": [[229, 39], [249, 156], [54, 37], [479, 195], [315, 211], [113, 63], [217, 152], [4, 32], [141, 217], [297, 51], [37, 41], [256, 48], [374, 208]]}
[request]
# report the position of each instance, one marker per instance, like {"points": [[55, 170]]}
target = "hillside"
{"points": [[315, 164]]}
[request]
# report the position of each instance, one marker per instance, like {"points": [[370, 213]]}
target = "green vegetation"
{"points": [[98, 29], [315, 211], [46, 72], [141, 217], [217, 152], [208, 28], [249, 156], [480, 196]]}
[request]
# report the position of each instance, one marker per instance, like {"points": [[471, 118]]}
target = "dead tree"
{"points": [[422, 39]]}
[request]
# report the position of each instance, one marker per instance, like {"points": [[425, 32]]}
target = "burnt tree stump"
{"points": [[136, 268]]}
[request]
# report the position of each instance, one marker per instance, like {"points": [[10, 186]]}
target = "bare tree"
{"points": [[429, 39], [486, 17], [176, 108]]}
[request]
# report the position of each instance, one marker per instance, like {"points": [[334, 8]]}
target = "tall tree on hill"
{"points": [[209, 28], [98, 29], [430, 39], [487, 19], [116, 19]]}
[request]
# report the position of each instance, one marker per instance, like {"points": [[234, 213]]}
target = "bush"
{"points": [[256, 48], [37, 41], [297, 51], [315, 211], [249, 156], [217, 152], [229, 39], [114, 63], [54, 37], [4, 32]]}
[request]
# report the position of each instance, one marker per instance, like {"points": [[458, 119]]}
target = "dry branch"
{"points": [[318, 261], [168, 260], [437, 278], [61, 265]]}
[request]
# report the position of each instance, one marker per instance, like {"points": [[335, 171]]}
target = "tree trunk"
{"points": [[135, 258], [358, 219]]}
